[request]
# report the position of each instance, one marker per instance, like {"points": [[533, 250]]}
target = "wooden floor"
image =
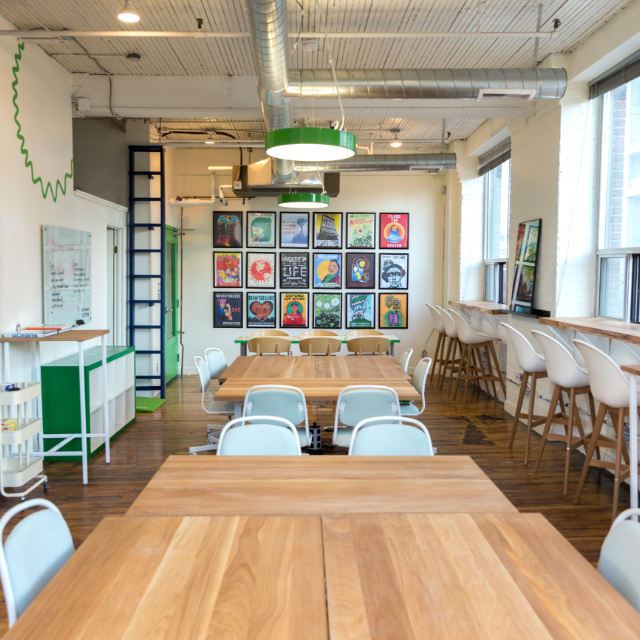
{"points": [[481, 431]]}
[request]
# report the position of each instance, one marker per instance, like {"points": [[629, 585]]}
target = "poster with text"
{"points": [[393, 310], [361, 230], [228, 269], [294, 270], [261, 230], [360, 271], [227, 310], [294, 230], [394, 271], [261, 270], [360, 311], [327, 230], [294, 309], [261, 310], [227, 229], [394, 230], [327, 311], [327, 270]]}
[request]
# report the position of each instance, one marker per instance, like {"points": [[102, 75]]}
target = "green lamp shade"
{"points": [[310, 144], [306, 200]]}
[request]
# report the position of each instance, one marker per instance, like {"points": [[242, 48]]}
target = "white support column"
{"points": [[105, 391], [7, 367], [39, 399], [83, 416]]}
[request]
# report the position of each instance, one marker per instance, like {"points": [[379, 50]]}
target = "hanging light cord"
{"points": [[295, 46]]}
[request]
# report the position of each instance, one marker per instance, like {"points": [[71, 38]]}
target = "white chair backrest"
{"points": [[265, 436], [33, 553], [358, 402], [465, 332], [526, 356], [203, 374], [620, 557], [386, 436], [609, 385], [562, 367], [420, 376], [405, 358], [216, 361], [438, 322], [449, 325]]}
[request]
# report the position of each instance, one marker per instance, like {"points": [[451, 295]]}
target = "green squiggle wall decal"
{"points": [[28, 163]]}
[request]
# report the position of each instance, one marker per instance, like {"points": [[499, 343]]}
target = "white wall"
{"points": [[420, 195]]}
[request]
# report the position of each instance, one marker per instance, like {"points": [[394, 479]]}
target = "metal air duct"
{"points": [[438, 84], [385, 162]]}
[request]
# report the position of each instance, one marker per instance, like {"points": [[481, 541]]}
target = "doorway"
{"points": [[172, 314]]}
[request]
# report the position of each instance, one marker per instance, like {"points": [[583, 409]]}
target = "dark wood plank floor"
{"points": [[481, 431]]}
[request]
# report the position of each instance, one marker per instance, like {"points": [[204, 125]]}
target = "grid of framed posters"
{"points": [[327, 311], [294, 310], [261, 310]]}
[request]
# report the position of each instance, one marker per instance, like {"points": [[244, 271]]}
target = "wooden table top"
{"points": [[194, 578], [313, 485], [603, 327], [461, 576], [634, 369], [492, 308], [319, 377], [74, 335]]}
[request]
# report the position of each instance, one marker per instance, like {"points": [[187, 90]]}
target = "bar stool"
{"points": [[532, 364], [450, 360], [473, 342], [568, 377], [610, 387], [442, 337]]}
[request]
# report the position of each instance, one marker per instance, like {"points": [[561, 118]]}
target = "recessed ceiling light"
{"points": [[128, 13], [310, 45]]}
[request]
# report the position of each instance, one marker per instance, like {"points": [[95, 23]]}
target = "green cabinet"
{"points": [[61, 397]]}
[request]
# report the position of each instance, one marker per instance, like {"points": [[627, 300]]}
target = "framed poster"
{"points": [[327, 270], [261, 230], [394, 230], [361, 230], [261, 310], [294, 230], [261, 270], [327, 311], [394, 271], [294, 310], [360, 271], [393, 310], [227, 268], [360, 310], [227, 229], [524, 274], [227, 310], [327, 230], [294, 270]]}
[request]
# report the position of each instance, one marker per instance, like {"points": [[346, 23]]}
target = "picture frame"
{"points": [[393, 310], [261, 230], [394, 231], [360, 270], [228, 310], [393, 271], [227, 229], [227, 269], [327, 310], [260, 269], [526, 267], [360, 310], [327, 230], [290, 316], [294, 229], [261, 311], [294, 270], [327, 271], [360, 230]]}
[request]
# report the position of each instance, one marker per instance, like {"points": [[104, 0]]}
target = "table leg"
{"points": [[7, 369], [83, 416], [393, 350], [243, 349], [105, 393], [237, 409], [633, 441], [39, 438]]}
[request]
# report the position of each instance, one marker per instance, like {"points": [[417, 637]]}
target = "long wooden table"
{"points": [[482, 306], [461, 576], [312, 485]]}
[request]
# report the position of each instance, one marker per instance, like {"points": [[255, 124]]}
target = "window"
{"points": [[497, 183], [619, 207]]}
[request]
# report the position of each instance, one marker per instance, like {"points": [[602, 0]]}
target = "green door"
{"points": [[172, 315]]}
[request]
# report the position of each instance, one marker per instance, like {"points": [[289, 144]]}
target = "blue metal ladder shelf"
{"points": [[141, 218]]}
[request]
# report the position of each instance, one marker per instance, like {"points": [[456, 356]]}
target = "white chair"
{"points": [[388, 436], [358, 402], [217, 365], [571, 379], [34, 552], [450, 361], [281, 401], [611, 388], [534, 366], [405, 358], [619, 562], [265, 436], [419, 383], [213, 407], [438, 323]]}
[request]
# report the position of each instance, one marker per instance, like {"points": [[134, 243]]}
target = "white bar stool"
{"points": [[438, 323], [570, 378], [450, 360], [532, 364], [610, 387]]}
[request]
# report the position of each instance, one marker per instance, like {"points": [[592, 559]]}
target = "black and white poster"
{"points": [[294, 270]]}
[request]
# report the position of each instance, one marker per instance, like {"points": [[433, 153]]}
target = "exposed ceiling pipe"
{"points": [[204, 202], [385, 162], [425, 83]]}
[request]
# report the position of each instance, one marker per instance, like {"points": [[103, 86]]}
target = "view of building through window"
{"points": [[497, 192]]}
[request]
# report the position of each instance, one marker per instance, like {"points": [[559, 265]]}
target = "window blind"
{"points": [[616, 77], [490, 160]]}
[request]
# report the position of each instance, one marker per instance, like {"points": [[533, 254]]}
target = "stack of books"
{"points": [[39, 331]]}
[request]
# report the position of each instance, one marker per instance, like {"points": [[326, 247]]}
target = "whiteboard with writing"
{"points": [[66, 264]]}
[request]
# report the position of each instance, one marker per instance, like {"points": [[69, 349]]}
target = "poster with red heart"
{"points": [[261, 310]]}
